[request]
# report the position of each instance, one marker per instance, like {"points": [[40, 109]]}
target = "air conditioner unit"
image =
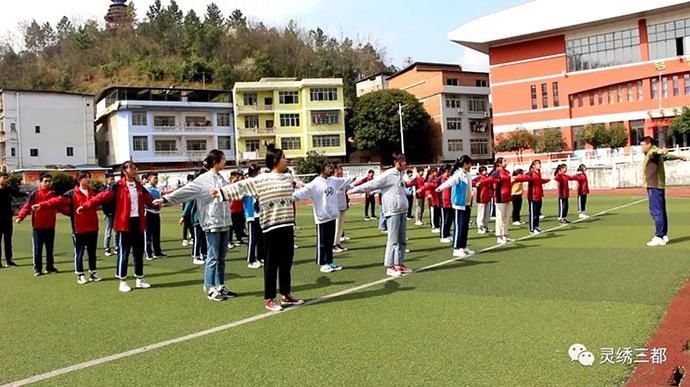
{"points": [[461, 110], [487, 115]]}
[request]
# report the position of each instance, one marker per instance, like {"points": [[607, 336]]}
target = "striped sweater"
{"points": [[273, 191]]}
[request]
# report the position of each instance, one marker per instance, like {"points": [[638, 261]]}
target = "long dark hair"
{"points": [[497, 163], [581, 168], [534, 162], [465, 159], [253, 170], [214, 157], [273, 156], [558, 169]]}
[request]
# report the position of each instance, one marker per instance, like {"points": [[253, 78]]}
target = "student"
{"points": [[433, 200], [420, 196], [516, 194], [237, 215], [369, 198], [447, 217], [501, 180], [84, 225], [535, 194], [255, 248], [129, 197], [409, 191], [214, 218], [483, 200], [394, 205], [152, 238], [582, 191], [199, 246], [43, 223], [343, 206], [6, 212], [186, 222], [562, 181], [273, 191], [108, 213], [654, 175], [322, 191], [461, 197]]}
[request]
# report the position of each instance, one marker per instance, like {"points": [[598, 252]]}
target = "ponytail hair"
{"points": [[253, 170], [534, 162], [273, 156], [497, 163], [559, 168], [581, 168], [465, 159], [213, 158]]}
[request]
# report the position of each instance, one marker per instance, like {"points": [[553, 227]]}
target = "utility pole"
{"points": [[402, 135]]}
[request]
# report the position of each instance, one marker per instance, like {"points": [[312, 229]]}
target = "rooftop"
{"points": [[543, 17], [283, 83], [432, 66], [44, 92], [172, 94]]}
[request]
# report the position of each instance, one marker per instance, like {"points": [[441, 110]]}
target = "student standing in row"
{"points": [[108, 212], [409, 191], [43, 223], [535, 194], [255, 248], [343, 206], [562, 182], [186, 222], [447, 217], [582, 191], [214, 218], [199, 246], [483, 200], [433, 199], [129, 198], [394, 205], [461, 197], [516, 193], [501, 180], [273, 191], [84, 225], [369, 198], [237, 215], [153, 220], [420, 196], [6, 212]]}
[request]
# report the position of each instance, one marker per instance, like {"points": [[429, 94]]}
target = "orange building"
{"points": [[458, 103], [614, 61]]}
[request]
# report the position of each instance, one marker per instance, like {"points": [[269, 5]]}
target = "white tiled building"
{"points": [[159, 127], [40, 129]]}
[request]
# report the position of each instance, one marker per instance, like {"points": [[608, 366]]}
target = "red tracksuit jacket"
{"points": [[535, 189], [582, 184], [500, 178], [236, 206], [44, 218], [419, 185], [563, 188], [87, 221], [118, 193], [430, 189], [484, 189], [445, 194]]}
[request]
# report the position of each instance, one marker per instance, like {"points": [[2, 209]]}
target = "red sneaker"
{"points": [[290, 300], [272, 306], [404, 269]]}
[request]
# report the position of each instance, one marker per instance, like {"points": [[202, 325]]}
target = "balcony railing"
{"points": [[254, 108], [257, 131], [183, 128], [192, 155]]}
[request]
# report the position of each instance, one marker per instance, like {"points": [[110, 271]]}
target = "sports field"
{"points": [[506, 316]]}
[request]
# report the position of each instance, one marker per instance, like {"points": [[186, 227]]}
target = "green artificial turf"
{"points": [[504, 317]]}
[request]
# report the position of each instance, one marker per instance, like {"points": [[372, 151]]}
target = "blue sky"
{"points": [[416, 29]]}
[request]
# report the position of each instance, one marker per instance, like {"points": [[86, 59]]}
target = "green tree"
{"points": [[214, 16], [376, 123], [618, 136], [237, 19], [516, 141], [681, 124], [62, 183], [595, 135], [550, 141], [310, 165]]}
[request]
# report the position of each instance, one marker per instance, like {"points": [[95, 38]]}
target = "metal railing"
{"points": [[253, 108], [257, 131]]}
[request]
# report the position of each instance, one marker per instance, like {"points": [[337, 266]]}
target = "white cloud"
{"points": [[472, 60]]}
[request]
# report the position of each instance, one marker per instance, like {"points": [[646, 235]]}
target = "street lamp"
{"points": [[402, 136]]}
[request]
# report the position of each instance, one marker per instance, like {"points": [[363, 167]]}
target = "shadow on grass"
{"points": [[321, 282], [389, 287], [679, 240]]}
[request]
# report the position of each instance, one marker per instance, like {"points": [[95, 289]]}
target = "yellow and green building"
{"points": [[297, 116]]}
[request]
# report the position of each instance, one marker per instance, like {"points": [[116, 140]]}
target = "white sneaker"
{"points": [[542, 216], [140, 284], [338, 249], [435, 230], [517, 223], [297, 247], [666, 239], [326, 269], [254, 265], [407, 250], [459, 253], [185, 243], [93, 277], [198, 261], [81, 279], [508, 239], [124, 288], [501, 241], [656, 241], [345, 238], [481, 232], [393, 272], [445, 240], [535, 232], [418, 223], [470, 252], [231, 246]]}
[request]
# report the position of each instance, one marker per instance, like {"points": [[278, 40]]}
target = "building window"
{"points": [[556, 94], [324, 94], [453, 102], [533, 95], [477, 105], [140, 143], [636, 132], [479, 126], [686, 83], [250, 99], [288, 97], [482, 83], [251, 122], [453, 123], [13, 152], [629, 91], [223, 119], [655, 88], [196, 121], [676, 86], [269, 124], [326, 141], [669, 39], [479, 146], [139, 119], [291, 143], [577, 133], [37, 128], [289, 120], [580, 100], [455, 145], [13, 127], [640, 91], [33, 152], [225, 142], [620, 93], [107, 148], [452, 82], [664, 87], [603, 50], [325, 118], [165, 145], [612, 97], [196, 145], [591, 98], [251, 145], [600, 96], [164, 121], [70, 151], [544, 95]]}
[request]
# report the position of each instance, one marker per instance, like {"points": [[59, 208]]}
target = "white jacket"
{"points": [[214, 215], [392, 186], [323, 193]]}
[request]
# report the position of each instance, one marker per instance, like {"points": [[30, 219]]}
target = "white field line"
{"points": [[225, 327]]}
